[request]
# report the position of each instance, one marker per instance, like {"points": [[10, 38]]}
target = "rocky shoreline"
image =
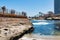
{"points": [[21, 35], [14, 28], [14, 32]]}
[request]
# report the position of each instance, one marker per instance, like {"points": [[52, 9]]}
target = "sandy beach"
{"points": [[38, 37]]}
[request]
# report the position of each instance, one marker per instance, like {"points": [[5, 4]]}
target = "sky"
{"points": [[31, 7]]}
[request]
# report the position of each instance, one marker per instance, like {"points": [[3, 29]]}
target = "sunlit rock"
{"points": [[11, 30]]}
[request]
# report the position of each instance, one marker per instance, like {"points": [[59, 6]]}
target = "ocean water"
{"points": [[44, 27]]}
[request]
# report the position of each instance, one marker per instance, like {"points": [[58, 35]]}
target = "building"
{"points": [[57, 6]]}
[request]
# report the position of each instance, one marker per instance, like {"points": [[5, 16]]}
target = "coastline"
{"points": [[37, 37]]}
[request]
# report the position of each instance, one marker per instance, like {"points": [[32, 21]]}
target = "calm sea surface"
{"points": [[44, 27]]}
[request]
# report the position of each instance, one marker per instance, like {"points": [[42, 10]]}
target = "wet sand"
{"points": [[37, 37]]}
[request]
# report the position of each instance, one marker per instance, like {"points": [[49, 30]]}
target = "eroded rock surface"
{"points": [[9, 30]]}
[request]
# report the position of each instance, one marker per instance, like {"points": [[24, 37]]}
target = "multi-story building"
{"points": [[57, 6]]}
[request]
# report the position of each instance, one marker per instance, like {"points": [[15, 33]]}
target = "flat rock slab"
{"points": [[11, 30]]}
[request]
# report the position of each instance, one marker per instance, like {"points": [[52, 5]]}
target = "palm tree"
{"points": [[3, 9]]}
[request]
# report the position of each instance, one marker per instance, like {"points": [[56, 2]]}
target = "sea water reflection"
{"points": [[44, 27]]}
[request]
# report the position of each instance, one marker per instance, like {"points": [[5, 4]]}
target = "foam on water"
{"points": [[40, 23]]}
